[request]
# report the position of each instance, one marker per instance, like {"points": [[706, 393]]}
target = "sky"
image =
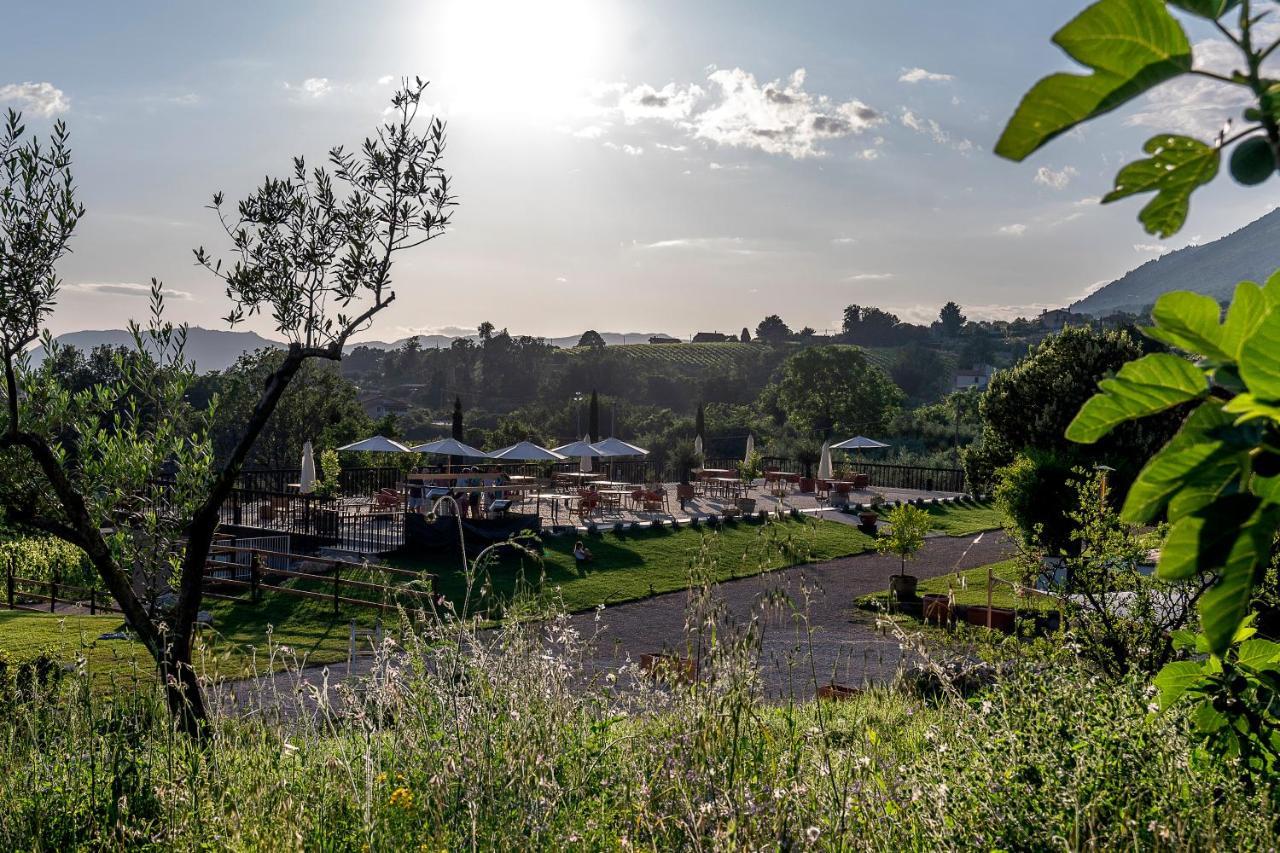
{"points": [[634, 167]]}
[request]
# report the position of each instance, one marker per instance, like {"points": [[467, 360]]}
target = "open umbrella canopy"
{"points": [[451, 447], [526, 451], [578, 448], [617, 447], [859, 442], [376, 444], [307, 477]]}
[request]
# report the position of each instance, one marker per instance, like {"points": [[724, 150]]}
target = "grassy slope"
{"points": [[625, 567], [970, 587], [965, 519]]}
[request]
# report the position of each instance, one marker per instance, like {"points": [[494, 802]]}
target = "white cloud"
{"points": [[731, 167], [126, 288], [868, 154], [1087, 201], [869, 276], [1017, 229], [919, 124], [1055, 179], [777, 117], [919, 75], [1151, 248], [43, 99], [670, 103], [670, 147], [311, 89], [386, 79], [632, 150], [844, 241], [725, 245], [562, 279]]}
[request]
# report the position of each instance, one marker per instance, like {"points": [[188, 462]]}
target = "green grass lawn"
{"points": [[625, 567], [966, 519], [112, 664], [970, 587], [655, 560]]}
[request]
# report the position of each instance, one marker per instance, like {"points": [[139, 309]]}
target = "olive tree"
{"points": [[140, 493]]}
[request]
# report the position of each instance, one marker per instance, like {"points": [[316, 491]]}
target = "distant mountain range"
{"points": [[216, 349], [1251, 253]]}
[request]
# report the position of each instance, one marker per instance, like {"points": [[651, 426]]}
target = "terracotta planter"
{"points": [[1001, 618], [684, 491], [682, 670], [902, 587], [837, 692], [867, 520], [937, 609]]}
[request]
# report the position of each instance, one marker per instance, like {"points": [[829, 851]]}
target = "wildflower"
{"points": [[986, 706], [811, 834], [402, 798], [381, 779]]}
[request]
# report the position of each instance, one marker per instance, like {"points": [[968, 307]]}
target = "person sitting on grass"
{"points": [[582, 553]]}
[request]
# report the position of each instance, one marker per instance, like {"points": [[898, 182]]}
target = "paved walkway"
{"points": [[845, 645]]}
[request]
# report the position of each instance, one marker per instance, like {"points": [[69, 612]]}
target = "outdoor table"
{"points": [[614, 497], [728, 486], [553, 499]]}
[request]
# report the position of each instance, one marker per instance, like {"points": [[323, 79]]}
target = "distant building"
{"points": [[712, 338], [1059, 318], [974, 378], [377, 406], [663, 339]]}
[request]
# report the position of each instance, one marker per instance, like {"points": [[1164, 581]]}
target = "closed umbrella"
{"points": [[376, 444], [697, 445], [824, 464], [751, 447], [307, 479]]}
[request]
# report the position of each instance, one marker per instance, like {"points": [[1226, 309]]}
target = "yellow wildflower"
{"points": [[402, 798]]}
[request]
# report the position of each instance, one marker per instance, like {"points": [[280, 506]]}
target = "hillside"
{"points": [[1213, 268], [209, 349]]}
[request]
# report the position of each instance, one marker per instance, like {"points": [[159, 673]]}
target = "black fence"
{"points": [[358, 524], [883, 475], [353, 481]]}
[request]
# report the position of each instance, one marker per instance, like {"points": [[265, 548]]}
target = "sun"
{"points": [[516, 56]]}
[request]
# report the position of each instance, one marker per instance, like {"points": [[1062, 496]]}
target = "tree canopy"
{"points": [[827, 388]]}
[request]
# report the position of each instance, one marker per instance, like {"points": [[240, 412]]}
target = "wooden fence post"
{"points": [[337, 581], [255, 577], [93, 602], [990, 582], [53, 595]]}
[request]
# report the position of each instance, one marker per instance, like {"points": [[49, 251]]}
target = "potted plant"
{"points": [[749, 470], [685, 458], [807, 455], [908, 525], [325, 517]]}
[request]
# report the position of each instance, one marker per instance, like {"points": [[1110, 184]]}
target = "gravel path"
{"points": [[845, 645]]}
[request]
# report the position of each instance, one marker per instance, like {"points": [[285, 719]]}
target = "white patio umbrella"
{"points": [[824, 463], [526, 451], [451, 447], [611, 447], [307, 479], [859, 442], [376, 444], [615, 448], [583, 449]]}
